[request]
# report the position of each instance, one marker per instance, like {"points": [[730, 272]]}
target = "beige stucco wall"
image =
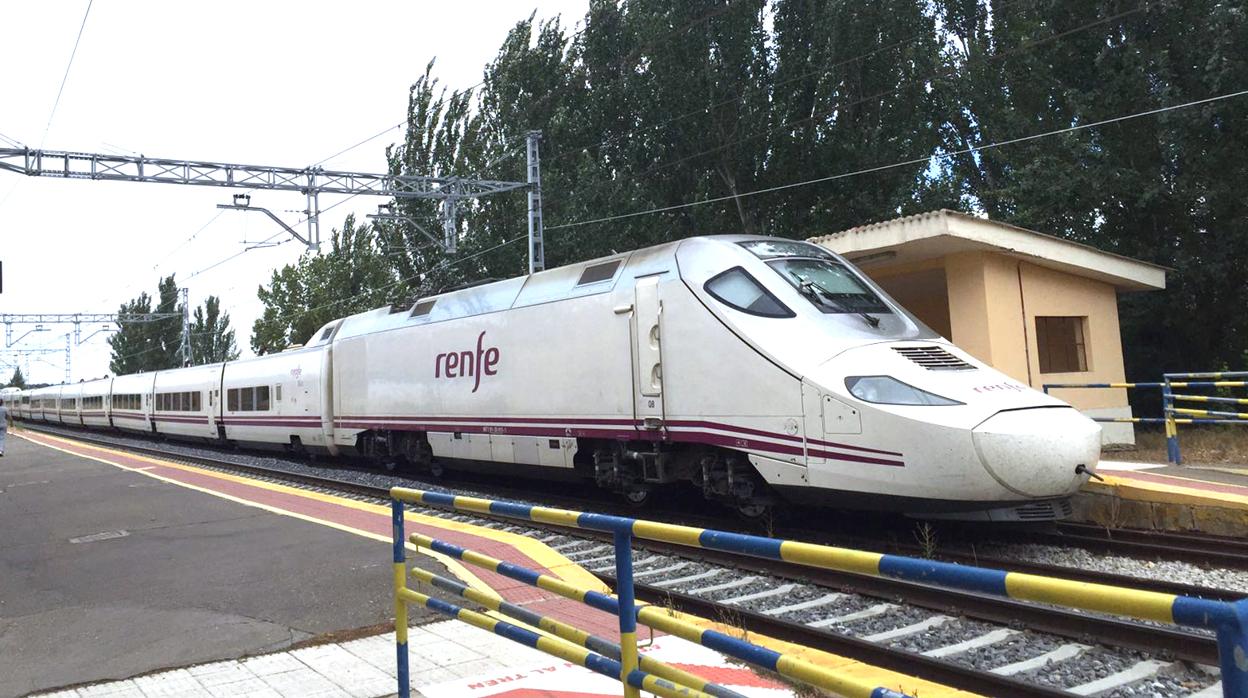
{"points": [[993, 301]]}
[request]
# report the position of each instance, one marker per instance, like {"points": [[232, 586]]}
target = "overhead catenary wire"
{"points": [[905, 163], [57, 102], [65, 77]]}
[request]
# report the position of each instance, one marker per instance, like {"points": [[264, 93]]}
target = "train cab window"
{"points": [[829, 285], [771, 249], [737, 289]]}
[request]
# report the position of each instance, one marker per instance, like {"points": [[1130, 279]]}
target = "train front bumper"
{"points": [[1037, 452]]}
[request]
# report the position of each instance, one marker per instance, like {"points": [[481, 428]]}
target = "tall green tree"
{"points": [[148, 345], [352, 276], [18, 380], [656, 104], [1166, 188], [133, 348], [212, 339]]}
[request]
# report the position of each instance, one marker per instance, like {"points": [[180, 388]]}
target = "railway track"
{"points": [[951, 637]]}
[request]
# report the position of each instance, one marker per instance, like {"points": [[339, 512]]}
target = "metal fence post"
{"points": [[1172, 429], [400, 606], [628, 612], [1233, 652]]}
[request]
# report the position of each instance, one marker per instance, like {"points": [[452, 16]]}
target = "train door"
{"points": [[648, 353], [215, 424]]}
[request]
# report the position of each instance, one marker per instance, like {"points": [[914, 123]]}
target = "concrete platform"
{"points": [[448, 660], [107, 574], [1207, 499], [348, 667]]}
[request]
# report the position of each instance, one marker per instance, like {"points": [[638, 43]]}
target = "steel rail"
{"points": [[961, 554], [875, 654], [1201, 549]]}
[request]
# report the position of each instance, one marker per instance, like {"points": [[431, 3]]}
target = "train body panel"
{"points": [[274, 399], [93, 401], [130, 402], [184, 401], [480, 377], [747, 366]]}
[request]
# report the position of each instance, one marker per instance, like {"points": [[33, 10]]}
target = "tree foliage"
{"points": [[18, 380], [152, 345], [212, 339], [353, 275], [148, 345], [656, 104]]}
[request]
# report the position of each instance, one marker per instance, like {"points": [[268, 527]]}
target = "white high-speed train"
{"points": [[757, 369]]}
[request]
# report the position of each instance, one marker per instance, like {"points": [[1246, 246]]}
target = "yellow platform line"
{"points": [[1176, 493]]}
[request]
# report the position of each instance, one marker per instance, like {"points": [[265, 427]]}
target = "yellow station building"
{"points": [[1039, 308]]}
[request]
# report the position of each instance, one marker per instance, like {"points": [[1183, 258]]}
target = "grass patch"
{"points": [[1200, 445]]}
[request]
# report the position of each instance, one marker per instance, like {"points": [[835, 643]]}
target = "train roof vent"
{"points": [[423, 308], [934, 358], [598, 272]]}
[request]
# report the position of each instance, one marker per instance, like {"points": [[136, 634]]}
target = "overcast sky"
{"points": [[277, 82]]}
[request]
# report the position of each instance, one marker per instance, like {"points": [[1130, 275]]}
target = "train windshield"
{"points": [[827, 283]]}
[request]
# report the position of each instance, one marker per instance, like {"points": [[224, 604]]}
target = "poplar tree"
{"points": [[212, 339]]}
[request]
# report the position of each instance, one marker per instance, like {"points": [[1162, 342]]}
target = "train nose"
{"points": [[1034, 452]]}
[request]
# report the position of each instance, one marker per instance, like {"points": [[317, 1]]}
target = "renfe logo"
{"points": [[457, 364]]}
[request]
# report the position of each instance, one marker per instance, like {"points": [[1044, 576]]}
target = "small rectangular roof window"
{"points": [[598, 272], [423, 308]]}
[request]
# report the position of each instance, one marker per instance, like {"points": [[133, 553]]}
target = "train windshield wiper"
{"points": [[822, 296]]}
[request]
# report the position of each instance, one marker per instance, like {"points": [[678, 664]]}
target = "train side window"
{"points": [[232, 397], [737, 289], [262, 398], [196, 398], [247, 399]]}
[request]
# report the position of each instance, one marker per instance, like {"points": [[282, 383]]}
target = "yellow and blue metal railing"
{"points": [[1229, 620], [1173, 416], [1215, 379], [622, 661]]}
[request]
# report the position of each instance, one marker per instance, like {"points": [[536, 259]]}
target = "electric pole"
{"points": [[537, 249]]}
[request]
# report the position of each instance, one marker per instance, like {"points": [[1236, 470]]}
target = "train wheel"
{"points": [[637, 496], [753, 511]]}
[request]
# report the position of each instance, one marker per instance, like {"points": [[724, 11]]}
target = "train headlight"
{"points": [[886, 390]]}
